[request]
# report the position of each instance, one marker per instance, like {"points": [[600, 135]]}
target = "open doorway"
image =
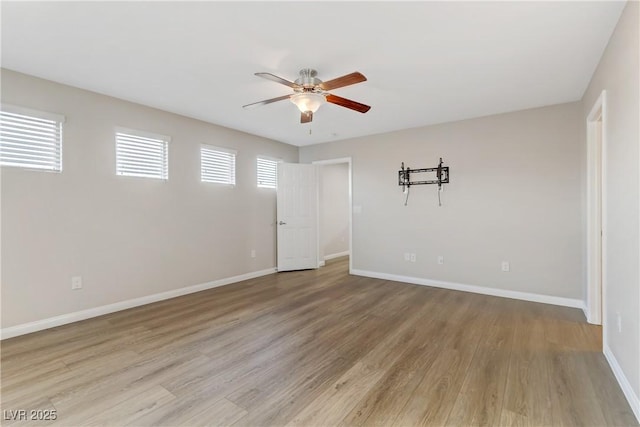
{"points": [[596, 213], [334, 211]]}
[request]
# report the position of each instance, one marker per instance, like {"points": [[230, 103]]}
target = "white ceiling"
{"points": [[426, 62]]}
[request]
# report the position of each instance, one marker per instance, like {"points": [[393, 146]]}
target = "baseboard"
{"points": [[38, 325], [632, 398], [546, 299], [336, 255], [585, 310]]}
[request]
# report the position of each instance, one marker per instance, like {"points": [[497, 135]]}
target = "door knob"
{"points": [[282, 223]]}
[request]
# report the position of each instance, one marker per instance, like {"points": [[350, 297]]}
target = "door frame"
{"points": [[349, 163], [596, 307]]}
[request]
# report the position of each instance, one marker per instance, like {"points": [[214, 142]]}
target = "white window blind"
{"points": [[30, 139], [217, 165], [142, 155], [267, 171]]}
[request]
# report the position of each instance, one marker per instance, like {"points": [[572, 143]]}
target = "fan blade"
{"points": [[349, 79], [267, 101], [277, 79], [306, 117], [344, 102]]}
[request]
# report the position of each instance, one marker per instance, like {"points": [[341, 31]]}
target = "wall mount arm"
{"points": [[404, 175]]}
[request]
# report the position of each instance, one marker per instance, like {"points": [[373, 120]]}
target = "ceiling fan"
{"points": [[309, 92]]}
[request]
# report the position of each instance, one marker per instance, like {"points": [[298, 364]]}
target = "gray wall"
{"points": [[334, 208], [618, 73], [127, 237], [515, 195]]}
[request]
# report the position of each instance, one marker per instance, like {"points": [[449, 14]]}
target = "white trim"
{"points": [[336, 255], [596, 214], [10, 108], [504, 293], [632, 398], [275, 159], [349, 163], [218, 148], [142, 133], [38, 325], [585, 310]]}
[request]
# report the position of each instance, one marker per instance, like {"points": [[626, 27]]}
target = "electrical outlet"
{"points": [[619, 323], [407, 256], [413, 257], [253, 253], [505, 266], [76, 282], [440, 259]]}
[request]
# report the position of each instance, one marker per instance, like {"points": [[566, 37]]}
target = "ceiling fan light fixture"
{"points": [[308, 101], [309, 92]]}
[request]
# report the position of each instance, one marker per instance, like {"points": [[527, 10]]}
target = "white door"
{"points": [[297, 209]]}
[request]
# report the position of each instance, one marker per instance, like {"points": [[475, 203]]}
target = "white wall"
{"points": [[334, 209], [127, 237], [618, 73], [515, 195]]}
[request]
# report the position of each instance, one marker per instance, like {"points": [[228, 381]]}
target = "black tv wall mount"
{"points": [[405, 179]]}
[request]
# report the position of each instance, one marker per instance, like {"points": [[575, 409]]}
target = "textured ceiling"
{"points": [[426, 62]]}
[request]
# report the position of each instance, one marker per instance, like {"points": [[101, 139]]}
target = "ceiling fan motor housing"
{"points": [[308, 79]]}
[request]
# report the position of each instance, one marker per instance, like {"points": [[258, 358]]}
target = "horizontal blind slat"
{"points": [[30, 132], [124, 165], [267, 173], [30, 142], [29, 157], [25, 124], [30, 165], [141, 156], [217, 166], [21, 142], [155, 147]]}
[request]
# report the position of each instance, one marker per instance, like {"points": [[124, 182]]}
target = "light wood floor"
{"points": [[319, 348]]}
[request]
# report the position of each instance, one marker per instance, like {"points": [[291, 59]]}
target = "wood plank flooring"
{"points": [[317, 348]]}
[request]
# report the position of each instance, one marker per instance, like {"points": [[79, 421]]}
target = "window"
{"points": [[30, 139], [142, 154], [217, 165], [267, 171]]}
